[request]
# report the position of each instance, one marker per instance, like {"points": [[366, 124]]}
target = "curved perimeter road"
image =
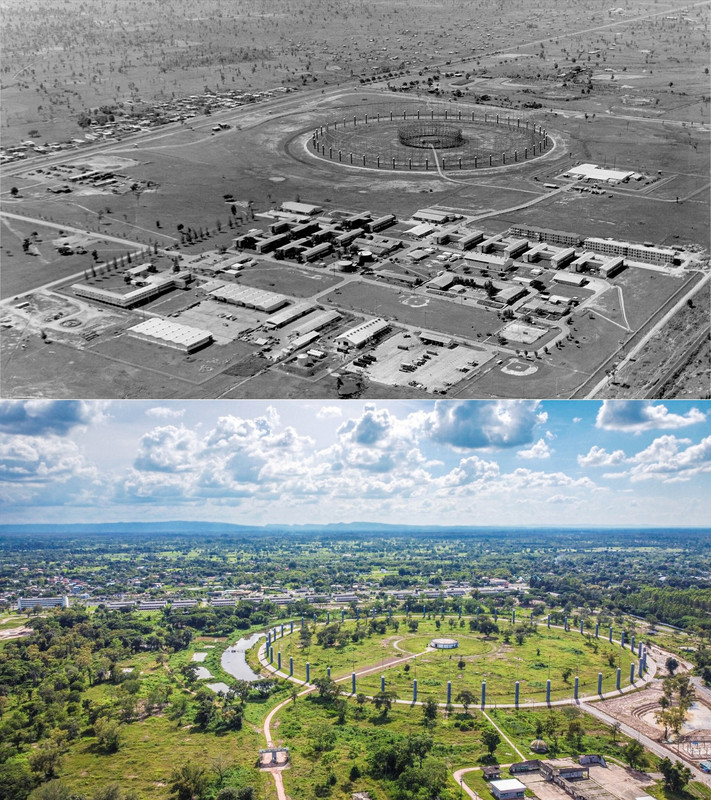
{"points": [[584, 704]]}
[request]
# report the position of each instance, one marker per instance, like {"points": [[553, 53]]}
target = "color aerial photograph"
{"points": [[357, 600]]}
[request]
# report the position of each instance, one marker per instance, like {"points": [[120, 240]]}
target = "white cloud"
{"points": [[636, 416], [671, 459], [538, 450], [599, 457], [329, 412], [480, 425], [40, 460], [164, 412]]}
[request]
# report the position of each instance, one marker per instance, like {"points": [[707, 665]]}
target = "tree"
{"points": [[108, 734], [490, 739], [354, 774], [327, 688], [189, 782], [429, 713], [52, 790], [671, 664], [114, 792], [466, 698], [46, 760], [676, 775], [566, 673], [14, 191], [383, 701], [634, 753]]}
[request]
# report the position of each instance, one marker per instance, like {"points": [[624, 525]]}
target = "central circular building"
{"points": [[444, 644]]}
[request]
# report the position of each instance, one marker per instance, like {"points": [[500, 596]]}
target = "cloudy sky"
{"points": [[522, 463]]}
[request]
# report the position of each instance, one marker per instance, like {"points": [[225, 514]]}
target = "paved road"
{"points": [[657, 748]]}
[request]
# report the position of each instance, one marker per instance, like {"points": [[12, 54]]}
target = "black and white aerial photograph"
{"points": [[355, 400]]}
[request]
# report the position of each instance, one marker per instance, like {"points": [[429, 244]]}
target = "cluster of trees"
{"points": [[45, 706]]}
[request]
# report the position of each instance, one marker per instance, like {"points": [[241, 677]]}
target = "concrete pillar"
{"points": [[409, 163], [565, 624], [444, 165], [355, 122], [424, 611], [382, 683], [641, 668], [639, 650], [449, 692], [427, 163], [483, 694], [516, 694], [328, 672], [393, 163], [351, 157], [271, 655], [491, 158], [414, 690], [291, 666], [582, 627], [279, 660], [476, 159], [531, 618], [599, 682], [632, 643], [460, 163], [308, 672], [357, 609], [378, 161], [302, 620], [390, 613], [549, 620], [619, 678], [622, 639], [548, 691], [460, 612], [366, 119], [343, 615], [291, 626], [330, 152], [328, 617], [282, 630], [597, 630], [577, 687], [513, 617], [610, 634], [632, 672], [269, 639], [363, 160], [353, 682], [503, 158], [496, 615]]}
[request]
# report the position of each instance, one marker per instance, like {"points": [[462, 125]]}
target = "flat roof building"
{"points": [[432, 215], [560, 238], [442, 282], [46, 602], [595, 173], [153, 285], [171, 334], [507, 789], [304, 209], [249, 297]]}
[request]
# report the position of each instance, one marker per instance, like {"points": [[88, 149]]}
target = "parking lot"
{"points": [[224, 321], [430, 367]]}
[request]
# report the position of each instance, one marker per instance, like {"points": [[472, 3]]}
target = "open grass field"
{"points": [[544, 653]]}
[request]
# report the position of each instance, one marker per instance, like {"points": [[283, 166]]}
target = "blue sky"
{"points": [[631, 463]]}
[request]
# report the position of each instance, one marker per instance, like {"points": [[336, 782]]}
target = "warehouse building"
{"points": [[316, 322], [442, 282], [612, 266], [381, 223], [302, 209], [432, 215], [507, 789], [287, 315], [362, 334], [570, 279], [258, 299], [171, 334]]}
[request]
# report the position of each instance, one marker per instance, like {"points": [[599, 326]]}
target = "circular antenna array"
{"points": [[439, 135]]}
